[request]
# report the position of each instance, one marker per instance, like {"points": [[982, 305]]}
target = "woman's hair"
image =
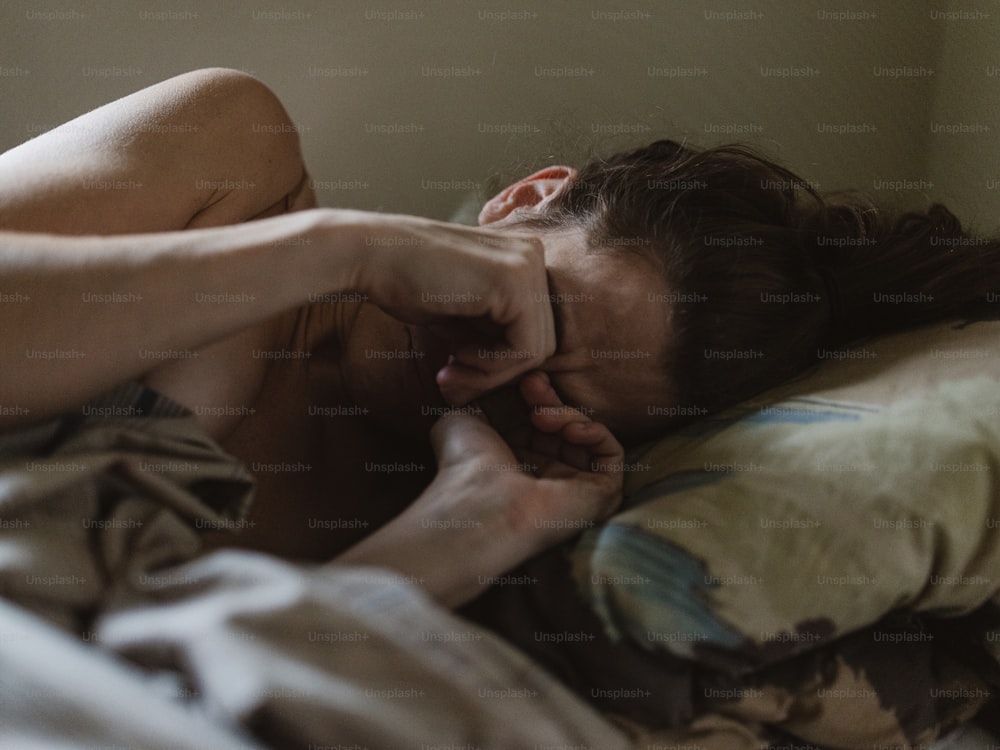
{"points": [[764, 274]]}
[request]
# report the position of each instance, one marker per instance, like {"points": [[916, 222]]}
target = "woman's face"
{"points": [[612, 331], [612, 326], [610, 306]]}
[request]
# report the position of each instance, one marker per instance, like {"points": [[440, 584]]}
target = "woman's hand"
{"points": [[484, 291], [577, 460], [492, 506]]}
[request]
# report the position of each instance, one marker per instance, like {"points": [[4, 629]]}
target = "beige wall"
{"points": [[537, 82], [964, 152]]}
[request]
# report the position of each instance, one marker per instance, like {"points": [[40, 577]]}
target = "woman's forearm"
{"points": [[81, 314]]}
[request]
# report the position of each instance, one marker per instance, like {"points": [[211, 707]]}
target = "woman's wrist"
{"points": [[434, 557], [334, 257], [455, 539]]}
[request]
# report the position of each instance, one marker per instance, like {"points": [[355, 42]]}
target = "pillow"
{"points": [[820, 563], [868, 486]]}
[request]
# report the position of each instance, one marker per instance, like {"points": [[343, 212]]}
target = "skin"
{"points": [[482, 323], [602, 304], [611, 338], [599, 299]]}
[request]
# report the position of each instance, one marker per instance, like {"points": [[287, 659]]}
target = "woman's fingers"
{"points": [[468, 375], [480, 368], [596, 438], [490, 288], [548, 412], [567, 434]]}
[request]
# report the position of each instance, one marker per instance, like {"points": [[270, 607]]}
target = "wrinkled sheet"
{"points": [[116, 631]]}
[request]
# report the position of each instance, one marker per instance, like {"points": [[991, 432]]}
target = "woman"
{"points": [[647, 289], [274, 333]]}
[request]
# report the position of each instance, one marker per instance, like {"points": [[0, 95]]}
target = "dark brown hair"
{"points": [[765, 273]]}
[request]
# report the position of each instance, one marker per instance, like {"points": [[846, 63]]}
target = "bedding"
{"points": [[816, 568], [818, 565], [115, 631]]}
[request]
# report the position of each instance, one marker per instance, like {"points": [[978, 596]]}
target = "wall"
{"points": [[964, 142], [405, 106]]}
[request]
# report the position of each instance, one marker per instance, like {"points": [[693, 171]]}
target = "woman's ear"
{"points": [[531, 192]]}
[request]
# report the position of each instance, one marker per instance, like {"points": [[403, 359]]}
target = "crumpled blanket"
{"points": [[116, 631]]}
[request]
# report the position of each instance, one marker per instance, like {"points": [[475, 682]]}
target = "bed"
{"points": [[818, 567]]}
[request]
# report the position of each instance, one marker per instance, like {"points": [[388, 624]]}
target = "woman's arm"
{"points": [[494, 505], [80, 313]]}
